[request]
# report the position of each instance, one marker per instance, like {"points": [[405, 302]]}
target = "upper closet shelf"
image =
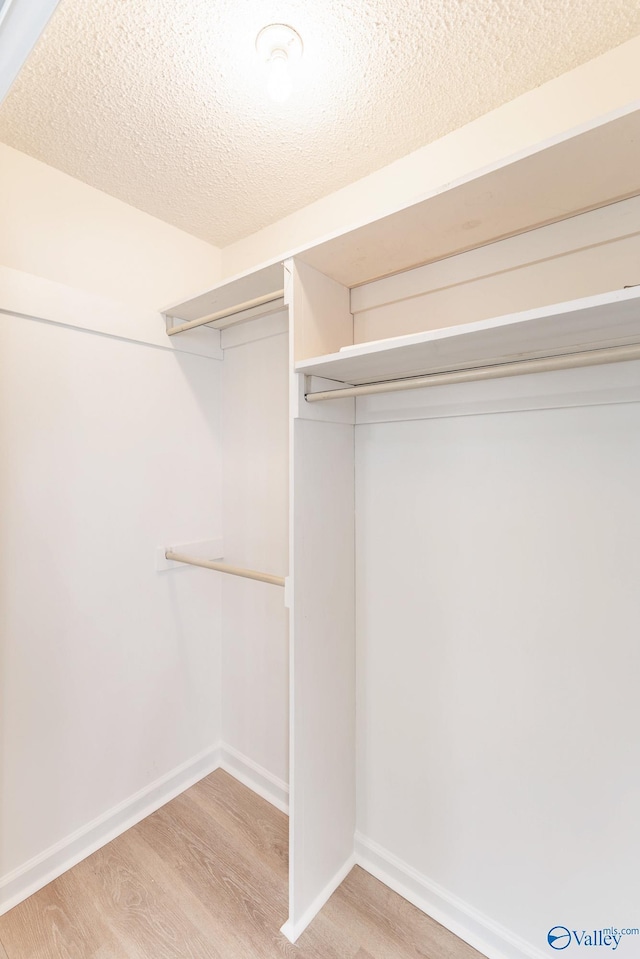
{"points": [[580, 170], [592, 323], [244, 298]]}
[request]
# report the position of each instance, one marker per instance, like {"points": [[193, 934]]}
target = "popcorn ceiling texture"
{"points": [[162, 103]]}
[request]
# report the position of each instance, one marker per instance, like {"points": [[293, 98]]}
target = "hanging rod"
{"points": [[566, 361], [225, 568], [229, 311]]}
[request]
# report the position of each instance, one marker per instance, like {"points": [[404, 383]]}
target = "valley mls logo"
{"points": [[559, 937]]}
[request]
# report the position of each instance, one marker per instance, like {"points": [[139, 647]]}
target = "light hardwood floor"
{"points": [[206, 877]]}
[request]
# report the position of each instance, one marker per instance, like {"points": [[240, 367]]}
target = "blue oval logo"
{"points": [[559, 937]]}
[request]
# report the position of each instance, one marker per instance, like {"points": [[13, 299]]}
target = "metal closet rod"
{"points": [[225, 568], [566, 361], [229, 311]]}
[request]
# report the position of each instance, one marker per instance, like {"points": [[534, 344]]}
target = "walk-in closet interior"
{"points": [[462, 563], [359, 524]]}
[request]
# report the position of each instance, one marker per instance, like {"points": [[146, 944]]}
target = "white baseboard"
{"points": [[256, 777], [18, 885], [470, 925], [466, 922], [48, 865], [294, 929]]}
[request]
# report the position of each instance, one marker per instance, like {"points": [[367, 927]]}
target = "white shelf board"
{"points": [[580, 170], [595, 322], [240, 289]]}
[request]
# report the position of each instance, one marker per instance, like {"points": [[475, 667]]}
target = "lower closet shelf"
{"points": [[561, 332]]}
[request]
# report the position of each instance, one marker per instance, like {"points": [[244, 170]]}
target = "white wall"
{"points": [[56, 227], [111, 438], [594, 89], [109, 670], [255, 646], [498, 663]]}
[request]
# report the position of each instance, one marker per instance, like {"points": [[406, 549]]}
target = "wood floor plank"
{"points": [[389, 926], [212, 923], [59, 922], [142, 916], [250, 818], [325, 937], [205, 877], [250, 891], [224, 875]]}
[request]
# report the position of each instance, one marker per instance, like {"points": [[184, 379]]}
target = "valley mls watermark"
{"points": [[560, 937]]}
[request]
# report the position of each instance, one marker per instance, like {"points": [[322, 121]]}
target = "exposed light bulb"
{"points": [[279, 84], [278, 46]]}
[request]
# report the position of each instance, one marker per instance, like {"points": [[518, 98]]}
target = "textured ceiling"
{"points": [[162, 104]]}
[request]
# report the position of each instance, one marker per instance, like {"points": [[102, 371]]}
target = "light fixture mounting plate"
{"points": [[279, 39]]}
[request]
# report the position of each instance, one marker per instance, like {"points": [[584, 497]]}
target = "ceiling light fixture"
{"points": [[279, 46]]}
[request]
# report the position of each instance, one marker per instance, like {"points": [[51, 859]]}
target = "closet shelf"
{"points": [[230, 315], [601, 322], [225, 568], [581, 170], [246, 297]]}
